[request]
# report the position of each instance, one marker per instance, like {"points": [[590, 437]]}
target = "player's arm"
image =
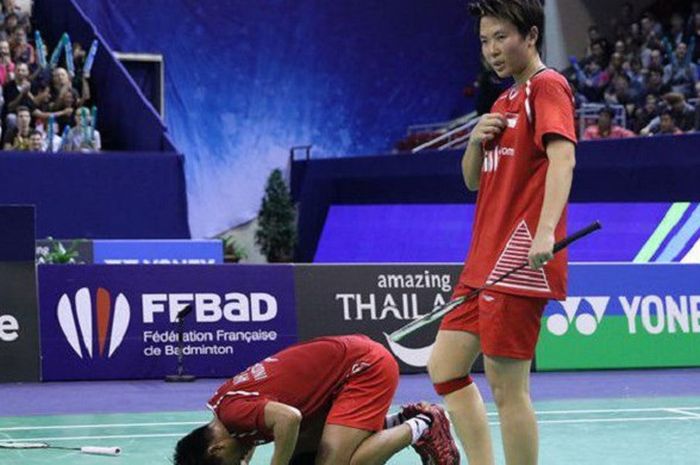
{"points": [[283, 420], [488, 127], [561, 154]]}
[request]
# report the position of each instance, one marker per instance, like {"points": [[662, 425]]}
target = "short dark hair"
{"points": [[608, 111], [23, 108], [524, 14], [36, 132], [193, 448]]}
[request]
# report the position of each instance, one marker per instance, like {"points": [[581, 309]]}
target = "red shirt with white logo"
{"points": [[306, 376], [511, 189]]}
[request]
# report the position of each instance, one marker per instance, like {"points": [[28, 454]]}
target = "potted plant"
{"points": [[56, 253], [233, 251], [276, 233]]}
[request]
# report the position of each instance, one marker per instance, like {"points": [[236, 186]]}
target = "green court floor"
{"points": [[597, 432]]}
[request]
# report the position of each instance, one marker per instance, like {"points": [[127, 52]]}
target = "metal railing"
{"points": [[457, 133]]}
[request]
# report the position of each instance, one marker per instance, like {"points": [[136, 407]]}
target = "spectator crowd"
{"points": [[46, 103], [647, 68]]}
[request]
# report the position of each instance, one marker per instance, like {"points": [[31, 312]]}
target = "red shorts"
{"points": [[508, 325], [364, 399]]}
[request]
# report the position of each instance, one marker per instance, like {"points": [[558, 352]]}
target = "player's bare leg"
{"points": [[342, 445], [510, 384], [452, 358]]}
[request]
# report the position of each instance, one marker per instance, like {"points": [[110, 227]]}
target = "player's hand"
{"points": [[541, 250], [488, 127]]}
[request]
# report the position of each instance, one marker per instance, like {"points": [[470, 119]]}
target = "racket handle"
{"points": [[100, 450], [577, 235]]}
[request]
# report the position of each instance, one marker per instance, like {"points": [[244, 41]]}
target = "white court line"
{"points": [[80, 438], [108, 425], [169, 435], [679, 410], [615, 410], [683, 411], [609, 420]]}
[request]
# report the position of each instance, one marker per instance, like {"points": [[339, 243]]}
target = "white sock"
{"points": [[393, 420], [419, 425]]}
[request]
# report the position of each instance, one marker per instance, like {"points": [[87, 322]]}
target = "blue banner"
{"points": [[157, 252], [119, 322]]}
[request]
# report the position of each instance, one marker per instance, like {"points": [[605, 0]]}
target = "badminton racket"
{"points": [[441, 310], [93, 450]]}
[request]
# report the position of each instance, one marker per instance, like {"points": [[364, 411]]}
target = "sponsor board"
{"points": [[19, 331], [624, 316], [119, 322], [158, 252], [374, 300]]}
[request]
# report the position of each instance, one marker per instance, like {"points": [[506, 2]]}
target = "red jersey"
{"points": [[306, 376], [511, 189]]}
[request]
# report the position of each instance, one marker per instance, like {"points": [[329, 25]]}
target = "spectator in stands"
{"points": [[682, 113], [634, 71], [17, 138], [59, 80], [694, 35], [667, 125], [598, 53], [22, 51], [605, 129], [655, 83], [650, 26], [11, 7], [645, 115], [65, 106], [676, 35], [36, 141], [591, 80], [7, 67], [620, 93], [17, 92], [10, 24], [681, 73], [81, 138]]}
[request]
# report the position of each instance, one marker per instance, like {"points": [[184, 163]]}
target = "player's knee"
{"points": [[448, 387]]}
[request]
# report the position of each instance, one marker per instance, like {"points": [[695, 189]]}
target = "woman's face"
{"points": [[504, 49]]}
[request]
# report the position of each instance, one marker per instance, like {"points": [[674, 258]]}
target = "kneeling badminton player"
{"points": [[322, 402]]}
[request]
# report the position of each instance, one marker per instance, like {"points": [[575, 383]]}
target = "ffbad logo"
{"points": [[109, 319]]}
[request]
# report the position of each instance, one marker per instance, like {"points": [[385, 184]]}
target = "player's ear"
{"points": [[533, 35]]}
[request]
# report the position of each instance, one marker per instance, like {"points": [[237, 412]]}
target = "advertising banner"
{"points": [[119, 322], [19, 330], [158, 252], [374, 300], [624, 316]]}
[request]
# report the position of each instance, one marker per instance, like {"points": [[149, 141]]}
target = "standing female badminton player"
{"points": [[520, 158], [323, 402]]}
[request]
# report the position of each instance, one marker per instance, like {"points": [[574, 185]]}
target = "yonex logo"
{"points": [[112, 321], [586, 323]]}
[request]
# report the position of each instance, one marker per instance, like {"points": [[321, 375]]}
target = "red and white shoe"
{"points": [[436, 446]]}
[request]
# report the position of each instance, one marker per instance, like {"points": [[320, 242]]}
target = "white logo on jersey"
{"points": [[493, 157]]}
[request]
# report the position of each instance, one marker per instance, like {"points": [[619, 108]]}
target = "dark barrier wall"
{"points": [[19, 327], [99, 196], [125, 118], [630, 170]]}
